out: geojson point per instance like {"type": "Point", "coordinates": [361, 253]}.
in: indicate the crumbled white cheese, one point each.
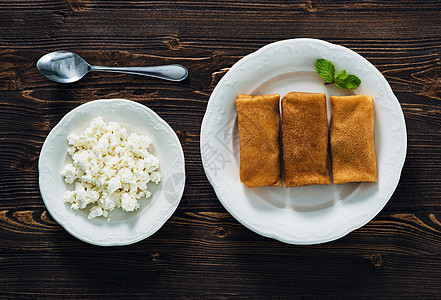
{"type": "Point", "coordinates": [69, 173]}
{"type": "Point", "coordinates": [110, 169]}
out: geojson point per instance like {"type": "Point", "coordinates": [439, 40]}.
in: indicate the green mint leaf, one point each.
{"type": "Point", "coordinates": [325, 69]}
{"type": "Point", "coordinates": [347, 81]}
{"type": "Point", "coordinates": [340, 76]}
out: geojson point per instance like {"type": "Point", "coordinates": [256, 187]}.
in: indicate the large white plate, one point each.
{"type": "Point", "coordinates": [124, 228]}
{"type": "Point", "coordinates": [310, 214]}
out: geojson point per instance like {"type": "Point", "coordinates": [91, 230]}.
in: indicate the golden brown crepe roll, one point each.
{"type": "Point", "coordinates": [305, 139]}
{"type": "Point", "coordinates": [259, 127]}
{"type": "Point", "coordinates": [352, 139]}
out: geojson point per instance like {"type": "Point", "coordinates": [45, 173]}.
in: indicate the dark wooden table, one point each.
{"type": "Point", "coordinates": [202, 251]}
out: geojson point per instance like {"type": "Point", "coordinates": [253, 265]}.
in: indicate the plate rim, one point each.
{"type": "Point", "coordinates": [254, 54]}
{"type": "Point", "coordinates": [53, 132]}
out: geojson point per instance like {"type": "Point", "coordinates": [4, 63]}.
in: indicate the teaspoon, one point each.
{"type": "Point", "coordinates": [67, 67]}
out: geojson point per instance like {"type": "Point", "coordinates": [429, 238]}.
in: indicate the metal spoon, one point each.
{"type": "Point", "coordinates": [67, 67]}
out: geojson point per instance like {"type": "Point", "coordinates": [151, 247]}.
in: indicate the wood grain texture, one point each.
{"type": "Point", "coordinates": [202, 251]}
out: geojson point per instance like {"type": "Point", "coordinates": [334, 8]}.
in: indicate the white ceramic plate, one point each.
{"type": "Point", "coordinates": [124, 228]}
{"type": "Point", "coordinates": [310, 214]}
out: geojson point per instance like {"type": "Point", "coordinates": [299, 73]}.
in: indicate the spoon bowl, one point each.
{"type": "Point", "coordinates": [67, 67]}
{"type": "Point", "coordinates": [63, 66]}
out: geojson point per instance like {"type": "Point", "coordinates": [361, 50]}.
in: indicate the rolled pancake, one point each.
{"type": "Point", "coordinates": [352, 139]}
{"type": "Point", "coordinates": [305, 139]}
{"type": "Point", "coordinates": [259, 132]}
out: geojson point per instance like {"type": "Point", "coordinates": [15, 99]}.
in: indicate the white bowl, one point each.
{"type": "Point", "coordinates": [124, 227]}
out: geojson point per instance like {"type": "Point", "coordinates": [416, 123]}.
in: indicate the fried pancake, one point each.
{"type": "Point", "coordinates": [352, 139]}
{"type": "Point", "coordinates": [305, 139]}
{"type": "Point", "coordinates": [259, 132]}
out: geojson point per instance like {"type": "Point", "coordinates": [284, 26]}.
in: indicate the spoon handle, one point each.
{"type": "Point", "coordinates": [168, 72]}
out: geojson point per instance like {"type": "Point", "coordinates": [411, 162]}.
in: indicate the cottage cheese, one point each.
{"type": "Point", "coordinates": [110, 169]}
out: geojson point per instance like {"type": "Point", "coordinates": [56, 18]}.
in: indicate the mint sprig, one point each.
{"type": "Point", "coordinates": [326, 70]}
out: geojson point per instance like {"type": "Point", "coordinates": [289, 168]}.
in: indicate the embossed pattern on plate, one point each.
{"type": "Point", "coordinates": [125, 228]}
{"type": "Point", "coordinates": [310, 214]}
